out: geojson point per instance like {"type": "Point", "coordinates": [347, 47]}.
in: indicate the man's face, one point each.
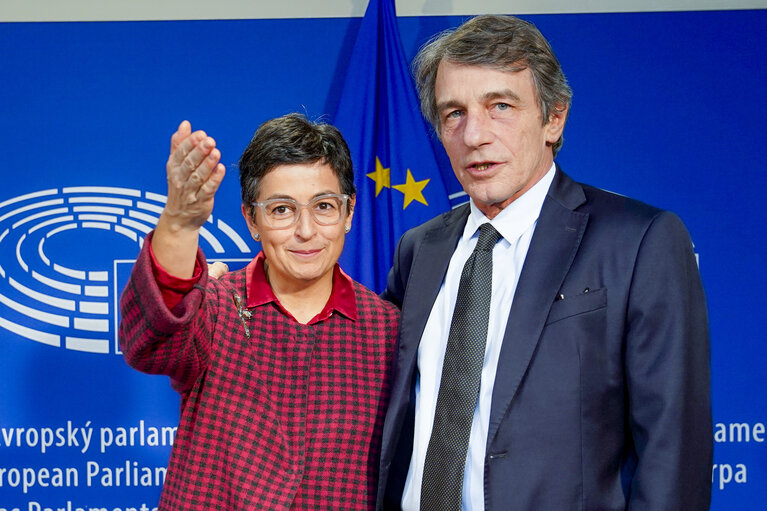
{"type": "Point", "coordinates": [492, 130]}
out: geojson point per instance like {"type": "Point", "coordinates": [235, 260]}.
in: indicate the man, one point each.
{"type": "Point", "coordinates": [592, 385]}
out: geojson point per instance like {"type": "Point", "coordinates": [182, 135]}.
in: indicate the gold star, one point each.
{"type": "Point", "coordinates": [412, 189]}
{"type": "Point", "coordinates": [381, 176]}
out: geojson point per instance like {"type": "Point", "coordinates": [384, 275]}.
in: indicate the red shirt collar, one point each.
{"type": "Point", "coordinates": [260, 292]}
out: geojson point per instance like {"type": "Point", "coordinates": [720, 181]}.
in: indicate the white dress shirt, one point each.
{"type": "Point", "coordinates": [516, 223]}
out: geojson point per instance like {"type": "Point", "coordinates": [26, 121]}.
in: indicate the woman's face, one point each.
{"type": "Point", "coordinates": [305, 252]}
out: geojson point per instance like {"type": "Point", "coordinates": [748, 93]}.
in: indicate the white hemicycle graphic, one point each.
{"type": "Point", "coordinates": [73, 304]}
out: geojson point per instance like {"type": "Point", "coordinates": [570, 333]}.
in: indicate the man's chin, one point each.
{"type": "Point", "coordinates": [487, 197]}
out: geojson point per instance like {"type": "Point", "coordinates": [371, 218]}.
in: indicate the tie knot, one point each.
{"type": "Point", "coordinates": [488, 237]}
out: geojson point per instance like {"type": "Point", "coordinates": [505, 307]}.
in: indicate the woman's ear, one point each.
{"type": "Point", "coordinates": [246, 214]}
{"type": "Point", "coordinates": [348, 222]}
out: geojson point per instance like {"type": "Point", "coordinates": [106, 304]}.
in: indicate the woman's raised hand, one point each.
{"type": "Point", "coordinates": [194, 174]}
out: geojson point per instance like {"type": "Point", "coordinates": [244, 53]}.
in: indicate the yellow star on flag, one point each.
{"type": "Point", "coordinates": [412, 189]}
{"type": "Point", "coordinates": [381, 176]}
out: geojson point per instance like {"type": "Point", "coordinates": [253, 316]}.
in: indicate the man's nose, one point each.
{"type": "Point", "coordinates": [477, 130]}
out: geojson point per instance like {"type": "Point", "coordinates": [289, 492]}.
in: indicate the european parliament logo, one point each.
{"type": "Point", "coordinates": [66, 254]}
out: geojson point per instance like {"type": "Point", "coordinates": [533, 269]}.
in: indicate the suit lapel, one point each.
{"type": "Point", "coordinates": [555, 242]}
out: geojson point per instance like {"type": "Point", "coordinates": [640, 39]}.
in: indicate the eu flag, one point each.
{"type": "Point", "coordinates": [396, 173]}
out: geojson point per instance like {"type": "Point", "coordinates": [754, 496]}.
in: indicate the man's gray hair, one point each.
{"type": "Point", "coordinates": [499, 42]}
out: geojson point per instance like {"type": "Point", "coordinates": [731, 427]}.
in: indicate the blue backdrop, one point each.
{"type": "Point", "coordinates": [667, 108]}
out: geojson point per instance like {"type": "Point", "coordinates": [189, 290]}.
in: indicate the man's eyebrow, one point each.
{"type": "Point", "coordinates": [502, 94]}
{"type": "Point", "coordinates": [449, 104]}
{"type": "Point", "coordinates": [487, 96]}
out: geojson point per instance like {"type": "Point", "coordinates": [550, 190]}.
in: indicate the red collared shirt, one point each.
{"type": "Point", "coordinates": [341, 297]}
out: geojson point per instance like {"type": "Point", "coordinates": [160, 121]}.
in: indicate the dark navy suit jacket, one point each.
{"type": "Point", "coordinates": [601, 399]}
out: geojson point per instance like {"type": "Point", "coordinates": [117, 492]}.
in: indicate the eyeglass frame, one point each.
{"type": "Point", "coordinates": [301, 206]}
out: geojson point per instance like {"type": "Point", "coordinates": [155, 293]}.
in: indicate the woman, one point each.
{"type": "Point", "coordinates": [283, 366]}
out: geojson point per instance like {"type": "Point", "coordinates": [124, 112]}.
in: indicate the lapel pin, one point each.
{"type": "Point", "coordinates": [242, 312]}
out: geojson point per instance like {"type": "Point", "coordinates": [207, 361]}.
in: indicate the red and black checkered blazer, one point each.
{"type": "Point", "coordinates": [288, 418]}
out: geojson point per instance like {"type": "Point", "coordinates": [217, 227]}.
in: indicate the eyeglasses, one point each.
{"type": "Point", "coordinates": [327, 209]}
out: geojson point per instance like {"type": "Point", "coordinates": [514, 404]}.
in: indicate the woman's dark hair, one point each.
{"type": "Point", "coordinates": [289, 140]}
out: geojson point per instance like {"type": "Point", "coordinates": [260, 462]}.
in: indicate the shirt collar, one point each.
{"type": "Point", "coordinates": [259, 292]}
{"type": "Point", "coordinates": [517, 217]}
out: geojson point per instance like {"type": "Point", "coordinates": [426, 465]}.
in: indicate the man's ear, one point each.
{"type": "Point", "coordinates": [556, 124]}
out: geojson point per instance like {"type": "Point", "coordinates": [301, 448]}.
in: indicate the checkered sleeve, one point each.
{"type": "Point", "coordinates": [157, 340]}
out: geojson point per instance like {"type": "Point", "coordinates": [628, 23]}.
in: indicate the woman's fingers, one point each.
{"type": "Point", "coordinates": [189, 154]}
{"type": "Point", "coordinates": [182, 132]}
{"type": "Point", "coordinates": [209, 187]}
{"type": "Point", "coordinates": [217, 269]}
{"type": "Point", "coordinates": [194, 174]}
